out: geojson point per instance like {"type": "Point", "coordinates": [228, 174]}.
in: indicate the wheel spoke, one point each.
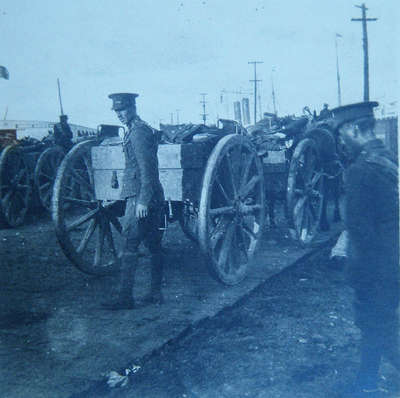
{"type": "Point", "coordinates": [46, 196]}
{"type": "Point", "coordinates": [82, 220]}
{"type": "Point", "coordinates": [43, 174]}
{"type": "Point", "coordinates": [219, 231]}
{"type": "Point", "coordinates": [24, 198]}
{"type": "Point", "coordinates": [6, 198]}
{"type": "Point", "coordinates": [315, 179]}
{"type": "Point", "coordinates": [226, 244]}
{"type": "Point", "coordinates": [87, 203]}
{"type": "Point", "coordinates": [222, 210]}
{"type": "Point", "coordinates": [231, 174]}
{"type": "Point", "coordinates": [88, 234]}
{"type": "Point", "coordinates": [98, 254]}
{"type": "Point", "coordinates": [81, 180]}
{"type": "Point", "coordinates": [249, 186]}
{"type": "Point", "coordinates": [299, 192]}
{"type": "Point", "coordinates": [249, 209]}
{"type": "Point", "coordinates": [249, 232]}
{"type": "Point", "coordinates": [19, 175]}
{"type": "Point", "coordinates": [298, 213]}
{"type": "Point", "coordinates": [88, 165]}
{"type": "Point", "coordinates": [222, 189]}
{"type": "Point", "coordinates": [242, 246]}
{"type": "Point", "coordinates": [246, 170]}
{"type": "Point", "coordinates": [45, 186]}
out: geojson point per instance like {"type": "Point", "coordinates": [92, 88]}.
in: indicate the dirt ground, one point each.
{"type": "Point", "coordinates": [55, 337]}
{"type": "Point", "coordinates": [292, 336]}
{"type": "Point", "coordinates": [282, 332]}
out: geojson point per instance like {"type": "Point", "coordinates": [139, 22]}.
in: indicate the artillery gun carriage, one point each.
{"type": "Point", "coordinates": [213, 184]}
{"type": "Point", "coordinates": [29, 158]}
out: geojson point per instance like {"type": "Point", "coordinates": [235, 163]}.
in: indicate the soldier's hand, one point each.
{"type": "Point", "coordinates": [141, 211]}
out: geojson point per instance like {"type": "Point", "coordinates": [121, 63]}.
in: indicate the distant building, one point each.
{"type": "Point", "coordinates": [39, 129]}
{"type": "Point", "coordinates": [246, 111]}
{"type": "Point", "coordinates": [237, 111]}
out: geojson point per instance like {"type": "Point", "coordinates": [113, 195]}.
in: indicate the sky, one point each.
{"type": "Point", "coordinates": [171, 51]}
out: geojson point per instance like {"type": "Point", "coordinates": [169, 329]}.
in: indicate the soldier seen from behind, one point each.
{"type": "Point", "coordinates": [325, 113]}
{"type": "Point", "coordinates": [372, 223]}
{"type": "Point", "coordinates": [63, 133]}
{"type": "Point", "coordinates": [144, 202]}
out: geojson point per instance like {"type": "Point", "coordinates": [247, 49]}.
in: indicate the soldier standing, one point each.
{"type": "Point", "coordinates": [63, 133]}
{"type": "Point", "coordinates": [372, 222]}
{"type": "Point", "coordinates": [325, 112]}
{"type": "Point", "coordinates": [144, 202]}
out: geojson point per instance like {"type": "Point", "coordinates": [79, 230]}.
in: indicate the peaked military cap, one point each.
{"type": "Point", "coordinates": [348, 113]}
{"type": "Point", "coordinates": [123, 100]}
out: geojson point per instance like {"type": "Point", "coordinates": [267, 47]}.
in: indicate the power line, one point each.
{"type": "Point", "coordinates": [364, 21]}
{"type": "Point", "coordinates": [255, 86]}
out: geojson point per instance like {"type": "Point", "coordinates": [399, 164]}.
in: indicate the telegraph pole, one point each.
{"type": "Point", "coordinates": [177, 116]}
{"type": "Point", "coordinates": [172, 118]}
{"type": "Point", "coordinates": [273, 91]}
{"type": "Point", "coordinates": [203, 102]}
{"type": "Point", "coordinates": [255, 87]}
{"type": "Point", "coordinates": [364, 21]}
{"type": "Point", "coordinates": [337, 71]}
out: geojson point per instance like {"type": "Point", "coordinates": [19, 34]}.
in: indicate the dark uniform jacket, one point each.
{"type": "Point", "coordinates": [63, 135]}
{"type": "Point", "coordinates": [141, 178]}
{"type": "Point", "coordinates": [372, 218]}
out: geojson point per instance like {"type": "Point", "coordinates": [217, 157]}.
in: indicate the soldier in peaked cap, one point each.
{"type": "Point", "coordinates": [144, 202]}
{"type": "Point", "coordinates": [372, 222]}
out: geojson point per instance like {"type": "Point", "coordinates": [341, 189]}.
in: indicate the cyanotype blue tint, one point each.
{"type": "Point", "coordinates": [170, 51]}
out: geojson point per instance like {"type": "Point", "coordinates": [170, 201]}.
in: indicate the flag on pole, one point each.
{"type": "Point", "coordinates": [338, 35]}
{"type": "Point", "coordinates": [4, 72]}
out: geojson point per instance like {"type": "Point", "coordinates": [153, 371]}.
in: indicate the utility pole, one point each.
{"type": "Point", "coordinates": [273, 91]}
{"type": "Point", "coordinates": [339, 93]}
{"type": "Point", "coordinates": [177, 116]}
{"type": "Point", "coordinates": [255, 87]}
{"type": "Point", "coordinates": [172, 118]}
{"type": "Point", "coordinates": [364, 21]}
{"type": "Point", "coordinates": [203, 102]}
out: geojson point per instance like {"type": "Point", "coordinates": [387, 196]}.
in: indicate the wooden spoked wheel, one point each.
{"type": "Point", "coordinates": [15, 185]}
{"type": "Point", "coordinates": [45, 173]}
{"type": "Point", "coordinates": [232, 208]}
{"type": "Point", "coordinates": [87, 229]}
{"type": "Point", "coordinates": [305, 191]}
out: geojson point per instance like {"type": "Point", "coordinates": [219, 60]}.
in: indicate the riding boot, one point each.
{"type": "Point", "coordinates": [125, 298]}
{"type": "Point", "coordinates": [155, 295]}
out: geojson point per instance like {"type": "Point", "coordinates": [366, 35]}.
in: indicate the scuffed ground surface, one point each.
{"type": "Point", "coordinates": [293, 336]}
{"type": "Point", "coordinates": [55, 337]}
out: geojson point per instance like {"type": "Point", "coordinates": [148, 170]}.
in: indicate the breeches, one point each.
{"type": "Point", "coordinates": [146, 230]}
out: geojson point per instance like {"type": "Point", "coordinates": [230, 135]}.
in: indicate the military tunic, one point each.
{"type": "Point", "coordinates": [141, 185]}
{"type": "Point", "coordinates": [63, 135]}
{"type": "Point", "coordinates": [372, 221]}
